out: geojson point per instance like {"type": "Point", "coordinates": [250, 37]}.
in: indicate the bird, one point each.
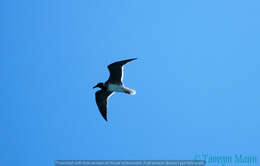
{"type": "Point", "coordinates": [112, 85]}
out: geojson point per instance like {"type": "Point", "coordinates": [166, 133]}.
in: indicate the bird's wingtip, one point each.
{"type": "Point", "coordinates": [105, 119]}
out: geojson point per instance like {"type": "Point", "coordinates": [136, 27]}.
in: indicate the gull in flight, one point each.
{"type": "Point", "coordinates": [113, 84]}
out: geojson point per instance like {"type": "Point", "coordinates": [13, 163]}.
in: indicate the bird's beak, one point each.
{"type": "Point", "coordinates": [94, 86]}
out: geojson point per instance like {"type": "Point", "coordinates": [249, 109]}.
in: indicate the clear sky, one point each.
{"type": "Point", "coordinates": [196, 77]}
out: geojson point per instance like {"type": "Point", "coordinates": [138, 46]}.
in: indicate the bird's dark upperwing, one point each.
{"type": "Point", "coordinates": [101, 100]}
{"type": "Point", "coordinates": [116, 71]}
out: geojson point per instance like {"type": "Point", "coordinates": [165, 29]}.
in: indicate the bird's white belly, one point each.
{"type": "Point", "coordinates": [115, 88]}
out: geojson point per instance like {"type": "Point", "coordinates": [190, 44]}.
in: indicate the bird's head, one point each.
{"type": "Point", "coordinates": [99, 85]}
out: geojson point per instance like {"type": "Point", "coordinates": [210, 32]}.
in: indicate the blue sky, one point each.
{"type": "Point", "coordinates": [196, 77]}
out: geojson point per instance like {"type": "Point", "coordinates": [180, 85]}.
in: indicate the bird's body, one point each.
{"type": "Point", "coordinates": [113, 84]}
{"type": "Point", "coordinates": [120, 88]}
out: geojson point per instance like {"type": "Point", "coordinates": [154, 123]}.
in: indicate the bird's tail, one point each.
{"type": "Point", "coordinates": [129, 91]}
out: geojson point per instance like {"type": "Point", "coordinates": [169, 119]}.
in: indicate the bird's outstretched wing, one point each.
{"type": "Point", "coordinates": [101, 100]}
{"type": "Point", "coordinates": [116, 71]}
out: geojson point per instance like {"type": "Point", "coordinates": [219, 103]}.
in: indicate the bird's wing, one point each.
{"type": "Point", "coordinates": [101, 100]}
{"type": "Point", "coordinates": [116, 71]}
